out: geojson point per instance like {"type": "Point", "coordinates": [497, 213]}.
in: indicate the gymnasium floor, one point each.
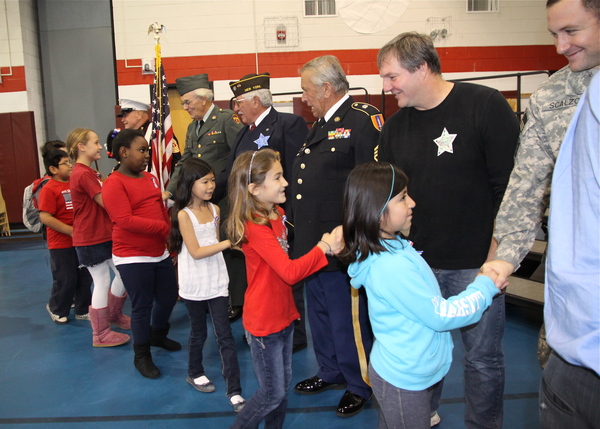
{"type": "Point", "coordinates": [52, 377]}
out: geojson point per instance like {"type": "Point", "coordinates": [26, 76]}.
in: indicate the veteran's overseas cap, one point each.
{"type": "Point", "coordinates": [250, 82]}
{"type": "Point", "coordinates": [190, 83]}
{"type": "Point", "coordinates": [131, 105]}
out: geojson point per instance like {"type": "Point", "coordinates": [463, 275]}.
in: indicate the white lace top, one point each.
{"type": "Point", "coordinates": [205, 278]}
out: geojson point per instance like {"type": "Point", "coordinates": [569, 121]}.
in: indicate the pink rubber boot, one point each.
{"type": "Point", "coordinates": [117, 317]}
{"type": "Point", "coordinates": [102, 335]}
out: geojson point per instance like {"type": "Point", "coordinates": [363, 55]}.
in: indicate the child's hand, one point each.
{"type": "Point", "coordinates": [487, 271]}
{"type": "Point", "coordinates": [338, 235]}
{"type": "Point", "coordinates": [334, 240]}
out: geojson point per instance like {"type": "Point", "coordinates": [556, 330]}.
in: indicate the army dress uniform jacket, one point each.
{"type": "Point", "coordinates": [283, 132]}
{"type": "Point", "coordinates": [347, 139]}
{"type": "Point", "coordinates": [212, 144]}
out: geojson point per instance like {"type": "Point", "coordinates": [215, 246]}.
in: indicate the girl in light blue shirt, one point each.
{"type": "Point", "coordinates": [410, 318]}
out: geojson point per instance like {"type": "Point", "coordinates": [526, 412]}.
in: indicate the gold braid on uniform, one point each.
{"type": "Point", "coordinates": [360, 347]}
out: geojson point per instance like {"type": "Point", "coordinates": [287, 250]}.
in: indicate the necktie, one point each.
{"type": "Point", "coordinates": [200, 123]}
{"type": "Point", "coordinates": [252, 127]}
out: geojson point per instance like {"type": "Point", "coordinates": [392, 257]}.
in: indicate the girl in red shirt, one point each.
{"type": "Point", "coordinates": [141, 227]}
{"type": "Point", "coordinates": [257, 223]}
{"type": "Point", "coordinates": [92, 240]}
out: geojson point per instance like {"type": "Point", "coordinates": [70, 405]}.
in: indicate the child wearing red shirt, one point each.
{"type": "Point", "coordinates": [141, 226]}
{"type": "Point", "coordinates": [256, 188]}
{"type": "Point", "coordinates": [56, 213]}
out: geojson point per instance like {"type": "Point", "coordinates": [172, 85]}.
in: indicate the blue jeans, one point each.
{"type": "Point", "coordinates": [272, 360]}
{"type": "Point", "coordinates": [220, 320]}
{"type": "Point", "coordinates": [400, 408]}
{"type": "Point", "coordinates": [152, 288]}
{"type": "Point", "coordinates": [484, 359]}
{"type": "Point", "coordinates": [569, 396]}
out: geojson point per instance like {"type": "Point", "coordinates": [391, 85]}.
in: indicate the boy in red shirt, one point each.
{"type": "Point", "coordinates": [56, 213]}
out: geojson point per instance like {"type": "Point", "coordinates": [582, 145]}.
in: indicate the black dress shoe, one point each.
{"type": "Point", "coordinates": [315, 385]}
{"type": "Point", "coordinates": [235, 313]}
{"type": "Point", "coordinates": [298, 347]}
{"type": "Point", "coordinates": [350, 405]}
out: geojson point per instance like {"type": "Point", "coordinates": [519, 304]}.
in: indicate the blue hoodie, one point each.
{"type": "Point", "coordinates": [409, 316]}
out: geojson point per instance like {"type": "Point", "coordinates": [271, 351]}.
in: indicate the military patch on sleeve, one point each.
{"type": "Point", "coordinates": [377, 121]}
{"type": "Point", "coordinates": [236, 118]}
{"type": "Point", "coordinates": [372, 111]}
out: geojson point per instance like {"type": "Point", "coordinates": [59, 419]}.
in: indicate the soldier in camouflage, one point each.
{"type": "Point", "coordinates": [575, 27]}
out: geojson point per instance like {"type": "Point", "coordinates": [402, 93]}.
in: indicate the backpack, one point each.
{"type": "Point", "coordinates": [31, 213]}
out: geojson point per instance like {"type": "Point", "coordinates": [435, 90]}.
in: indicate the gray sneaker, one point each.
{"type": "Point", "coordinates": [206, 387]}
{"type": "Point", "coordinates": [59, 320]}
{"type": "Point", "coordinates": [85, 316]}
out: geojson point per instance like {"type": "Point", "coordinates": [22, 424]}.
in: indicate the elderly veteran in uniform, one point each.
{"type": "Point", "coordinates": [265, 127]}
{"type": "Point", "coordinates": [344, 136]}
{"type": "Point", "coordinates": [134, 115]}
{"type": "Point", "coordinates": [212, 132]}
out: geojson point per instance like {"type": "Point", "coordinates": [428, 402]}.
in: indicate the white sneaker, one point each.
{"type": "Point", "coordinates": [435, 419]}
{"type": "Point", "coordinates": [59, 320]}
{"type": "Point", "coordinates": [85, 316]}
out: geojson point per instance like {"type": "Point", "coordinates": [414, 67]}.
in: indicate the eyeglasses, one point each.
{"type": "Point", "coordinates": [238, 102]}
{"type": "Point", "coordinates": [187, 102]}
{"type": "Point", "coordinates": [69, 163]}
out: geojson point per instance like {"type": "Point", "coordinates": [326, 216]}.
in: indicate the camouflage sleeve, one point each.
{"type": "Point", "coordinates": [527, 194]}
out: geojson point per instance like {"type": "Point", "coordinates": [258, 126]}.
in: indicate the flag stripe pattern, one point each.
{"type": "Point", "coordinates": [162, 128]}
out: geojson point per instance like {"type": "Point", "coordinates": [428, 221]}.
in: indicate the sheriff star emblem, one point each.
{"type": "Point", "coordinates": [262, 141]}
{"type": "Point", "coordinates": [444, 142]}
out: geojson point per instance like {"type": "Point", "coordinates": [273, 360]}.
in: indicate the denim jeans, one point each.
{"type": "Point", "coordinates": [569, 396]}
{"type": "Point", "coordinates": [220, 320]}
{"type": "Point", "coordinates": [483, 360]}
{"type": "Point", "coordinates": [272, 360]}
{"type": "Point", "coordinates": [152, 288]}
{"type": "Point", "coordinates": [400, 408]}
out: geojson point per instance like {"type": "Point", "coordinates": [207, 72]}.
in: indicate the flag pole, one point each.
{"type": "Point", "coordinates": [158, 29]}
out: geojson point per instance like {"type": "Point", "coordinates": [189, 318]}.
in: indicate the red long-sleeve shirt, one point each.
{"type": "Point", "coordinates": [269, 304]}
{"type": "Point", "coordinates": [140, 221]}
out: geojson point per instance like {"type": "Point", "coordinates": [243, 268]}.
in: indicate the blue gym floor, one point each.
{"type": "Point", "coordinates": [52, 377]}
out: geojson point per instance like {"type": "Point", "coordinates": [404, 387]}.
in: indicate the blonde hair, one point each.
{"type": "Point", "coordinates": [78, 135]}
{"type": "Point", "coordinates": [248, 168]}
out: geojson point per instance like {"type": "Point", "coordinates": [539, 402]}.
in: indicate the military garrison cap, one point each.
{"type": "Point", "coordinates": [250, 82]}
{"type": "Point", "coordinates": [190, 83]}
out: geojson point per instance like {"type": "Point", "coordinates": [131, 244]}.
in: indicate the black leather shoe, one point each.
{"type": "Point", "coordinates": [350, 405]}
{"type": "Point", "coordinates": [298, 347]}
{"type": "Point", "coordinates": [235, 313]}
{"type": "Point", "coordinates": [315, 385]}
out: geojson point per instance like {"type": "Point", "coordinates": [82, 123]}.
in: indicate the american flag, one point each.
{"type": "Point", "coordinates": [162, 129]}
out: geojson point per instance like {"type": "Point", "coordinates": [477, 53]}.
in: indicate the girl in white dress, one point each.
{"type": "Point", "coordinates": [203, 279]}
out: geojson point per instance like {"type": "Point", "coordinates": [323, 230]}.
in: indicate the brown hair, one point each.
{"type": "Point", "coordinates": [411, 50]}
{"type": "Point", "coordinates": [248, 168]}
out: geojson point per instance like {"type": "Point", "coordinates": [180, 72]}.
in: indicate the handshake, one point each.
{"type": "Point", "coordinates": [499, 271]}
{"type": "Point", "coordinates": [331, 243]}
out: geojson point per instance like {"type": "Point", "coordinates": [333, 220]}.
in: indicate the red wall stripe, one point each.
{"type": "Point", "coordinates": [355, 62]}
{"type": "Point", "coordinates": [15, 82]}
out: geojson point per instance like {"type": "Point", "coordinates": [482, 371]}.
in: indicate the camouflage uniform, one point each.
{"type": "Point", "coordinates": [550, 111]}
{"type": "Point", "coordinates": [551, 108]}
